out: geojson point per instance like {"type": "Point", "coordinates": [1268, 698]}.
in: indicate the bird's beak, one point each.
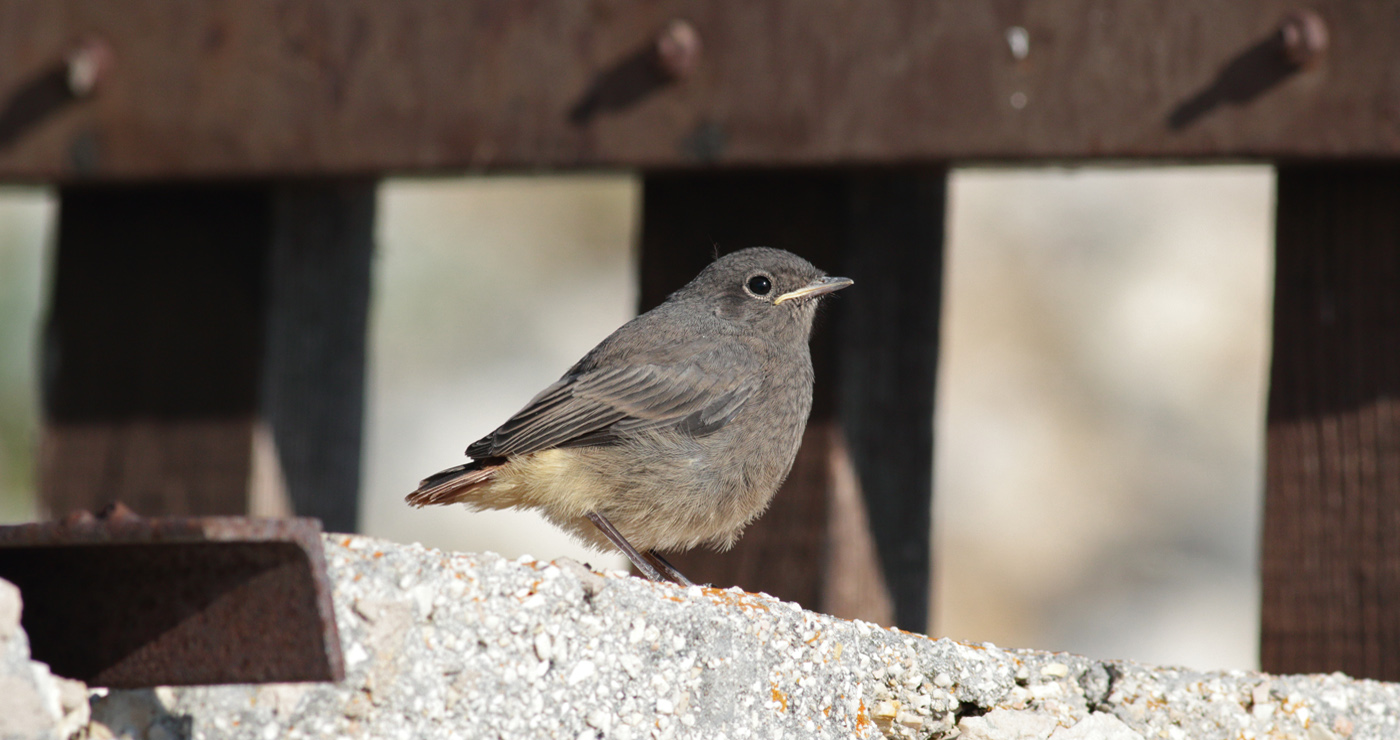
{"type": "Point", "coordinates": [816, 288]}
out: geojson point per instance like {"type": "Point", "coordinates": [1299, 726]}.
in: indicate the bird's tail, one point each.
{"type": "Point", "coordinates": [453, 485]}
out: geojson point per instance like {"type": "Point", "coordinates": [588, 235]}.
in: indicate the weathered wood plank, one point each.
{"type": "Point", "coordinates": [201, 88]}
{"type": "Point", "coordinates": [888, 335]}
{"type": "Point", "coordinates": [314, 356]}
{"type": "Point", "coordinates": [205, 349]}
{"type": "Point", "coordinates": [151, 353]}
{"type": "Point", "coordinates": [1331, 548]}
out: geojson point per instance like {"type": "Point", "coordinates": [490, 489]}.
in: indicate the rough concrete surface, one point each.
{"type": "Point", "coordinates": [34, 704]}
{"type": "Point", "coordinates": [442, 645]}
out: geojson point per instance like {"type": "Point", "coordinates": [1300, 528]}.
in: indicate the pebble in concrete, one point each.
{"type": "Point", "coordinates": [442, 645]}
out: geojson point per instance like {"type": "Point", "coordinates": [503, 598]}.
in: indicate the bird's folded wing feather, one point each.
{"type": "Point", "coordinates": [606, 404]}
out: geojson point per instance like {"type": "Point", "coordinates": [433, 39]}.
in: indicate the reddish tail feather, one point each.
{"type": "Point", "coordinates": [452, 485]}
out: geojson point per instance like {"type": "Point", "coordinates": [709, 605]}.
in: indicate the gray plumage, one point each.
{"type": "Point", "coordinates": [678, 428]}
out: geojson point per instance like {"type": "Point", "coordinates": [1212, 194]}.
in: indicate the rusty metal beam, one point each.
{"type": "Point", "coordinates": [216, 88]}
{"type": "Point", "coordinates": [127, 602]}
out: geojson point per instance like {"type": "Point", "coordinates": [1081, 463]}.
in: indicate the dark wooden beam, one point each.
{"type": "Point", "coordinates": [313, 376]}
{"type": "Point", "coordinates": [888, 335]}
{"type": "Point", "coordinates": [151, 368]}
{"type": "Point", "coordinates": [205, 349]}
{"type": "Point", "coordinates": [1331, 550]}
{"type": "Point", "coordinates": [212, 88]}
{"type": "Point", "coordinates": [849, 532]}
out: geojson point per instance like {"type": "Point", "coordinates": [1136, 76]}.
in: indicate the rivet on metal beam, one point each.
{"type": "Point", "coordinates": [1303, 36]}
{"type": "Point", "coordinates": [678, 49]}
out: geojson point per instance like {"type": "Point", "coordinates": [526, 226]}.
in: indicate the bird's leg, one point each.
{"type": "Point", "coordinates": [667, 568]}
{"type": "Point", "coordinates": [639, 560]}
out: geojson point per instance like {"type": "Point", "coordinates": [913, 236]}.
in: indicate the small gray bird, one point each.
{"type": "Point", "coordinates": [673, 432]}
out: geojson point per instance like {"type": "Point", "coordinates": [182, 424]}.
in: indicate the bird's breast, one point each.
{"type": "Point", "coordinates": [765, 435]}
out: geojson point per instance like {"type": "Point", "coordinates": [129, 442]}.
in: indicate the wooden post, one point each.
{"type": "Point", "coordinates": [849, 532]}
{"type": "Point", "coordinates": [205, 348]}
{"type": "Point", "coordinates": [888, 355]}
{"type": "Point", "coordinates": [1331, 549]}
{"type": "Point", "coordinates": [313, 381]}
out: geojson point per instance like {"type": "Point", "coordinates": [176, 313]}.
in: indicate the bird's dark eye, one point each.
{"type": "Point", "coordinates": [760, 285]}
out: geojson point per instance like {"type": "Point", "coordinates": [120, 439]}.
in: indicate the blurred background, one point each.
{"type": "Point", "coordinates": [1100, 401]}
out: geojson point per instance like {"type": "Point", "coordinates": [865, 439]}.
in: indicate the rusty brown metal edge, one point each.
{"type": "Point", "coordinates": [127, 528]}
{"type": "Point", "coordinates": [118, 526]}
{"type": "Point", "coordinates": [208, 88]}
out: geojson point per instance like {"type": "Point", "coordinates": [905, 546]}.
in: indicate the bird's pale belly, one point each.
{"type": "Point", "coordinates": [662, 493]}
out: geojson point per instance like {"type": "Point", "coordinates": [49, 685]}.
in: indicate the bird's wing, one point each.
{"type": "Point", "coordinates": [604, 404]}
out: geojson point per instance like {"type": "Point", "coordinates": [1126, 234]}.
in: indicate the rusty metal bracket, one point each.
{"type": "Point", "coordinates": [123, 601]}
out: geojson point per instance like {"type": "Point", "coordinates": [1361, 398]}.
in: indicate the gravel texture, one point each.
{"type": "Point", "coordinates": [442, 645]}
{"type": "Point", "coordinates": [34, 704]}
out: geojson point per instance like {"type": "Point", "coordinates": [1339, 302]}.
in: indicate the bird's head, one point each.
{"type": "Point", "coordinates": [762, 287]}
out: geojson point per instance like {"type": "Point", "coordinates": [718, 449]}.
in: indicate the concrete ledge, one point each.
{"type": "Point", "coordinates": [34, 703]}
{"type": "Point", "coordinates": [442, 645]}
